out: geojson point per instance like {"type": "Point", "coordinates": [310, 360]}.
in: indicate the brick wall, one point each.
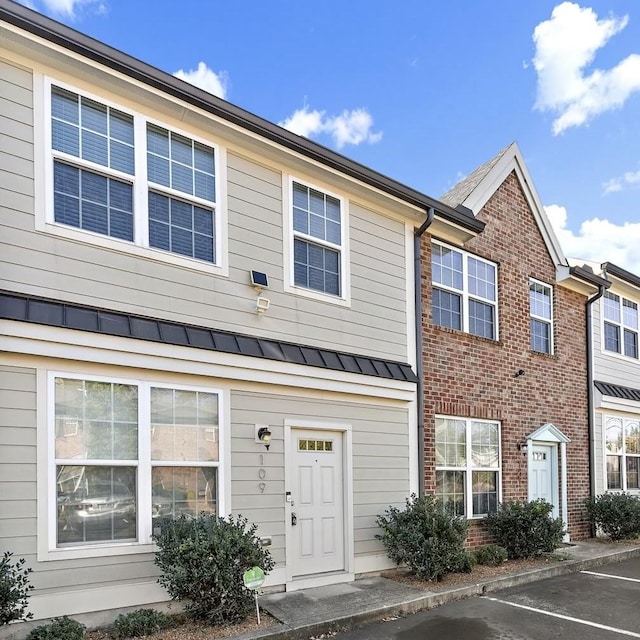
{"type": "Point", "coordinates": [469, 376]}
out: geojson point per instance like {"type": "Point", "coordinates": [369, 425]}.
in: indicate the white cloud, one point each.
{"type": "Point", "coordinates": [565, 45]}
{"type": "Point", "coordinates": [628, 179]}
{"type": "Point", "coordinates": [70, 8]}
{"type": "Point", "coordinates": [350, 127]}
{"type": "Point", "coordinates": [205, 78]}
{"type": "Point", "coordinates": [304, 122]}
{"type": "Point", "coordinates": [598, 240]}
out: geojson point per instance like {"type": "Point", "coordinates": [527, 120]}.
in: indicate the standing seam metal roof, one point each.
{"type": "Point", "coordinates": [617, 391]}
{"type": "Point", "coordinates": [16, 306]}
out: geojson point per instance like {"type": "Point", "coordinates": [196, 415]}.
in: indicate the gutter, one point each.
{"type": "Point", "coordinates": [418, 321]}
{"type": "Point", "coordinates": [32, 22]}
{"type": "Point", "coordinates": [603, 285]}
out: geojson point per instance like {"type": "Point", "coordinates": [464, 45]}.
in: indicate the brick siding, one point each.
{"type": "Point", "coordinates": [468, 376]}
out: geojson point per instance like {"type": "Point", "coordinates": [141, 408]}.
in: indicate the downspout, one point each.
{"type": "Point", "coordinates": [418, 321]}
{"type": "Point", "coordinates": [590, 403]}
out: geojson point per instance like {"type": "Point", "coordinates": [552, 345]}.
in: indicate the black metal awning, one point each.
{"type": "Point", "coordinates": [44, 311]}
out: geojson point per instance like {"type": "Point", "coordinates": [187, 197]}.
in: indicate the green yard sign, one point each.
{"type": "Point", "coordinates": [253, 578]}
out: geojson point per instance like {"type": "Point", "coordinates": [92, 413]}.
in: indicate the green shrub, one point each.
{"type": "Point", "coordinates": [141, 623]}
{"type": "Point", "coordinates": [525, 529]}
{"type": "Point", "coordinates": [14, 589]}
{"type": "Point", "coordinates": [492, 555]}
{"type": "Point", "coordinates": [58, 629]}
{"type": "Point", "coordinates": [425, 538]}
{"type": "Point", "coordinates": [202, 560]}
{"type": "Point", "coordinates": [617, 515]}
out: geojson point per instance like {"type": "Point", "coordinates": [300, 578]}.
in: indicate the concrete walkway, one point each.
{"type": "Point", "coordinates": [312, 612]}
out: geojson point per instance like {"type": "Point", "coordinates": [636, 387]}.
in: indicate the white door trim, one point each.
{"type": "Point", "coordinates": [349, 553]}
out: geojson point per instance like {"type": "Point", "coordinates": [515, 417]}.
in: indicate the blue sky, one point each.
{"type": "Point", "coordinates": [424, 91]}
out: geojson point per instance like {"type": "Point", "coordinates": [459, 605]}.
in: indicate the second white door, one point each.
{"type": "Point", "coordinates": [317, 513]}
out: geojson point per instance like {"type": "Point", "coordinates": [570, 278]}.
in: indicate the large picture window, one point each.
{"type": "Point", "coordinates": [129, 452]}
{"type": "Point", "coordinates": [318, 252]}
{"type": "Point", "coordinates": [468, 466]}
{"type": "Point", "coordinates": [622, 442]}
{"type": "Point", "coordinates": [620, 331]}
{"type": "Point", "coordinates": [117, 175]}
{"type": "Point", "coordinates": [464, 291]}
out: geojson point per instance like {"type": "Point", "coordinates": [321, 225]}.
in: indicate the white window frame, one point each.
{"type": "Point", "coordinates": [144, 465]}
{"type": "Point", "coordinates": [621, 326]}
{"type": "Point", "coordinates": [464, 292]}
{"type": "Point", "coordinates": [623, 420]}
{"type": "Point", "coordinates": [547, 321]}
{"type": "Point", "coordinates": [45, 155]}
{"type": "Point", "coordinates": [344, 299]}
{"type": "Point", "coordinates": [468, 469]}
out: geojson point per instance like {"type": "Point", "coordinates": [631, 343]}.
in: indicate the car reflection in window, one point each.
{"type": "Point", "coordinates": [100, 512]}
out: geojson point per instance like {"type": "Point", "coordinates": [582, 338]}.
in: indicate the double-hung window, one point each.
{"type": "Point", "coordinates": [464, 291]}
{"type": "Point", "coordinates": [622, 442]}
{"type": "Point", "coordinates": [318, 232]}
{"type": "Point", "coordinates": [620, 332]}
{"type": "Point", "coordinates": [468, 465]}
{"type": "Point", "coordinates": [541, 310]}
{"type": "Point", "coordinates": [118, 175]}
{"type": "Point", "coordinates": [126, 453]}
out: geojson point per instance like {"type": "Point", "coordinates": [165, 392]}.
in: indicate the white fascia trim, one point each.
{"type": "Point", "coordinates": [619, 404]}
{"type": "Point", "coordinates": [69, 344]}
{"type": "Point", "coordinates": [510, 161]}
{"type": "Point", "coordinates": [314, 165]}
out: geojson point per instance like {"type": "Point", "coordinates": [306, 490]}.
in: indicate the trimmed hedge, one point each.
{"type": "Point", "coordinates": [525, 529]}
{"type": "Point", "coordinates": [425, 538]}
{"type": "Point", "coordinates": [202, 560]}
{"type": "Point", "coordinates": [617, 515]}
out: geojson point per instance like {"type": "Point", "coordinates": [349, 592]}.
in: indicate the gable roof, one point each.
{"type": "Point", "coordinates": [475, 190]}
{"type": "Point", "coordinates": [54, 32]}
{"type": "Point", "coordinates": [461, 191]}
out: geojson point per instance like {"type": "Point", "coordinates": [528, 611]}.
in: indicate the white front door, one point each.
{"type": "Point", "coordinates": [317, 512]}
{"type": "Point", "coordinates": [542, 480]}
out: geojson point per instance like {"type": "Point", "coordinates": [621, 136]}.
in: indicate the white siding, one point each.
{"type": "Point", "coordinates": [18, 506]}
{"type": "Point", "coordinates": [380, 461]}
{"type": "Point", "coordinates": [51, 266]}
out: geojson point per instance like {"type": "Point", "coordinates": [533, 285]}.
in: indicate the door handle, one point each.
{"type": "Point", "coordinates": [294, 519]}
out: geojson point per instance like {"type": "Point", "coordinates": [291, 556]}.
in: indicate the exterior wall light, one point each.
{"type": "Point", "coordinates": [264, 436]}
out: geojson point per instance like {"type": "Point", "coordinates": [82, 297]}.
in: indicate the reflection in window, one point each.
{"type": "Point", "coordinates": [622, 444]}
{"type": "Point", "coordinates": [467, 465]}
{"type": "Point", "coordinates": [107, 433]}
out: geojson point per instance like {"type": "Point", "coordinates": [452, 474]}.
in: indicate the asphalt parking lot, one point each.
{"type": "Point", "coordinates": [602, 604]}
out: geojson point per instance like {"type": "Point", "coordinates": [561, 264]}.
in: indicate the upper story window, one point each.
{"type": "Point", "coordinates": [126, 452]}
{"type": "Point", "coordinates": [468, 465]}
{"type": "Point", "coordinates": [118, 175]}
{"type": "Point", "coordinates": [318, 251]}
{"type": "Point", "coordinates": [620, 325]}
{"type": "Point", "coordinates": [622, 440]}
{"type": "Point", "coordinates": [541, 310]}
{"type": "Point", "coordinates": [464, 291]}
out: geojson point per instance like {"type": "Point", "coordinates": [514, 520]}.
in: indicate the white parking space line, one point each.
{"type": "Point", "coordinates": [608, 575]}
{"type": "Point", "coordinates": [596, 625]}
